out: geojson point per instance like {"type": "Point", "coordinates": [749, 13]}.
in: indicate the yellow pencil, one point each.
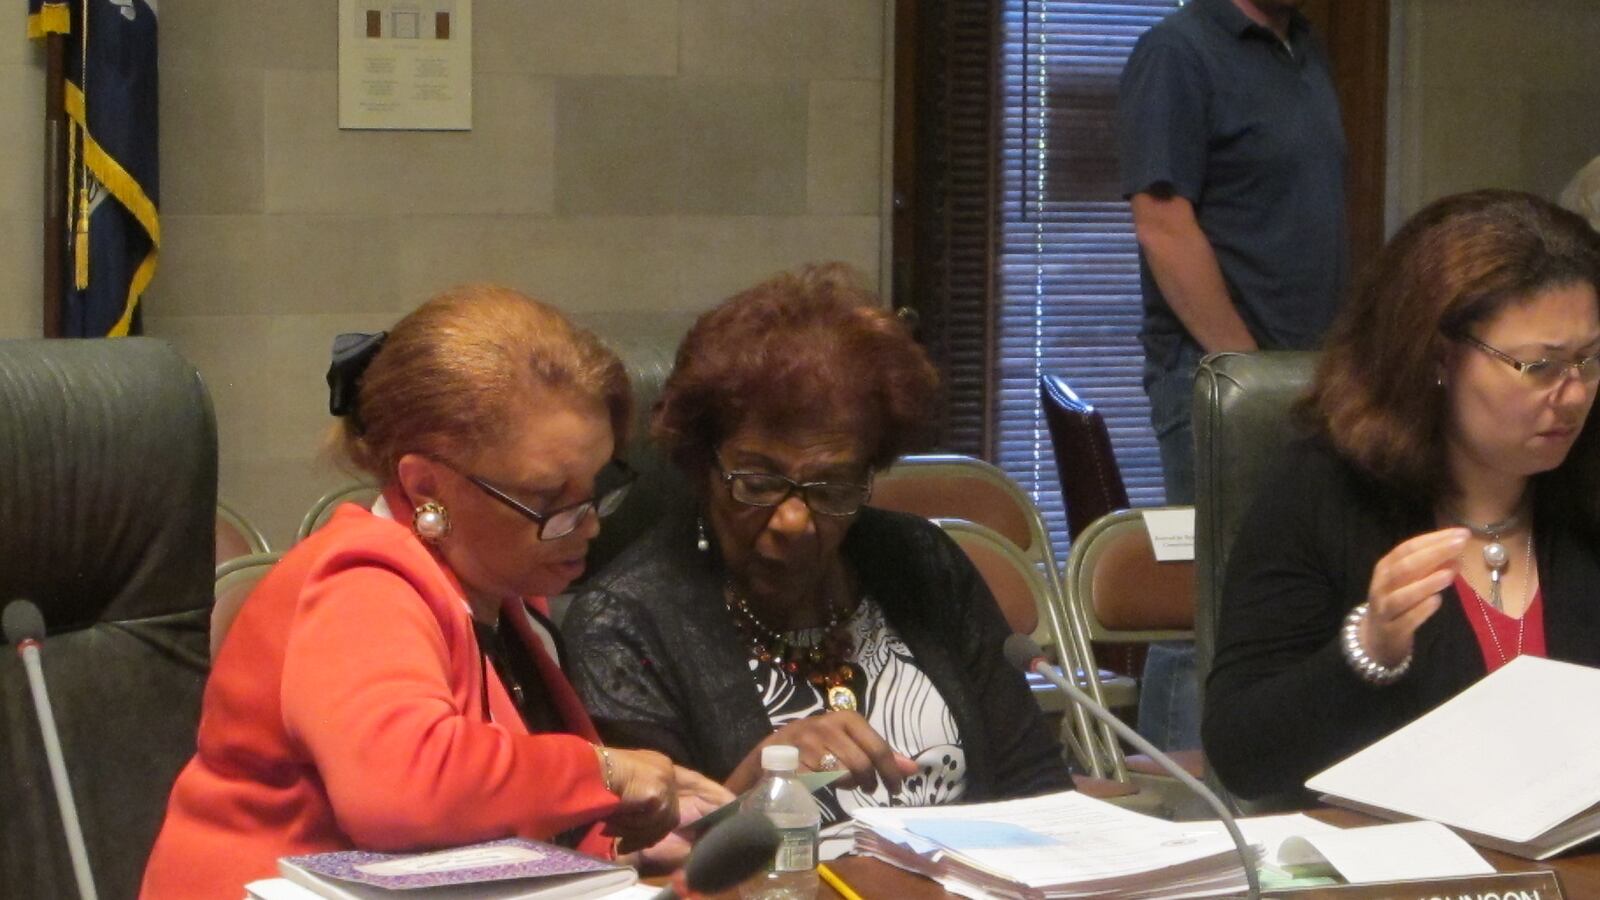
{"type": "Point", "coordinates": [837, 883]}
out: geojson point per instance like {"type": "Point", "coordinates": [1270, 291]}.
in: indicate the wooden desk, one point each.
{"type": "Point", "coordinates": [873, 880]}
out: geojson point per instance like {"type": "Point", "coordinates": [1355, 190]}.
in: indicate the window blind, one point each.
{"type": "Point", "coordinates": [1068, 267]}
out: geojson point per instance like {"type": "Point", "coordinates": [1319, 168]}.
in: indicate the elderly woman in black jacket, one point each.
{"type": "Point", "coordinates": [785, 610]}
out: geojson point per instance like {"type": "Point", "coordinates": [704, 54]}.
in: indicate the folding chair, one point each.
{"type": "Point", "coordinates": [1117, 592]}
{"type": "Point", "coordinates": [322, 510]}
{"type": "Point", "coordinates": [236, 578]}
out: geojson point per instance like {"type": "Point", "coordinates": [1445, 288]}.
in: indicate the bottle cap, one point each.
{"type": "Point", "coordinates": [780, 757]}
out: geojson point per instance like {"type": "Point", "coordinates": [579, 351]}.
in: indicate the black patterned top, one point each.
{"type": "Point", "coordinates": [660, 663]}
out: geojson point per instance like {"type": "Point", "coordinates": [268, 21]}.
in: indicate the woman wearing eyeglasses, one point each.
{"type": "Point", "coordinates": [394, 683]}
{"type": "Point", "coordinates": [1445, 516]}
{"type": "Point", "coordinates": [783, 609]}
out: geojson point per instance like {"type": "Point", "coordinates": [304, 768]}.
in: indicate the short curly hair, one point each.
{"type": "Point", "coordinates": [798, 348]}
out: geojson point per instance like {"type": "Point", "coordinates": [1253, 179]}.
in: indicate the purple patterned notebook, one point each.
{"type": "Point", "coordinates": [507, 860]}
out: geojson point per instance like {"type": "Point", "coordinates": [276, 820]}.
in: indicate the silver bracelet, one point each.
{"type": "Point", "coordinates": [604, 756]}
{"type": "Point", "coordinates": [1370, 670]}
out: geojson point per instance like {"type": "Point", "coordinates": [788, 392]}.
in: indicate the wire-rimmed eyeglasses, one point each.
{"type": "Point", "coordinates": [827, 498]}
{"type": "Point", "coordinates": [1543, 373]}
{"type": "Point", "coordinates": [611, 486]}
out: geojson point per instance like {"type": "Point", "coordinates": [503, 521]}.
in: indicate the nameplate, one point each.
{"type": "Point", "coordinates": [1541, 885]}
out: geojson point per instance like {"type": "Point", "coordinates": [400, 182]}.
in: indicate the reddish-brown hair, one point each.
{"type": "Point", "coordinates": [1456, 263]}
{"type": "Point", "coordinates": [801, 347]}
{"type": "Point", "coordinates": [455, 374]}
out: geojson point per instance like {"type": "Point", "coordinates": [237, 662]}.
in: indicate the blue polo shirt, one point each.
{"type": "Point", "coordinates": [1215, 108]}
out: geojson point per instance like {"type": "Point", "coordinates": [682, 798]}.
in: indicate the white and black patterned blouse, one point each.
{"type": "Point", "coordinates": [900, 703]}
{"type": "Point", "coordinates": [660, 662]}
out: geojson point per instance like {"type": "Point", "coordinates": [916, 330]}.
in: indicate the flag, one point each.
{"type": "Point", "coordinates": [113, 229]}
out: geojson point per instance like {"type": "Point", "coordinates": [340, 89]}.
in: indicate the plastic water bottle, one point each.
{"type": "Point", "coordinates": [783, 799]}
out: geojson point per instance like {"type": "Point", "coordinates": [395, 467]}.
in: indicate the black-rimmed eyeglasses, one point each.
{"type": "Point", "coordinates": [827, 498]}
{"type": "Point", "coordinates": [1543, 373]}
{"type": "Point", "coordinates": [611, 486]}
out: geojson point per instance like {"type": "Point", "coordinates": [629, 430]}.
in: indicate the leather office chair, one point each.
{"type": "Point", "coordinates": [1091, 482]}
{"type": "Point", "coordinates": [1242, 423]}
{"type": "Point", "coordinates": [660, 486]}
{"type": "Point", "coordinates": [108, 498]}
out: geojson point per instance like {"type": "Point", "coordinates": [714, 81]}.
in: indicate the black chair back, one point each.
{"type": "Point", "coordinates": [1091, 482]}
{"type": "Point", "coordinates": [1242, 423]}
{"type": "Point", "coordinates": [108, 493]}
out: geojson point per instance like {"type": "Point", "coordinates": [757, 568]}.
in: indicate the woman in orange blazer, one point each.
{"type": "Point", "coordinates": [395, 682]}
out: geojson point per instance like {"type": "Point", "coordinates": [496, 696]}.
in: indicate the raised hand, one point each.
{"type": "Point", "coordinates": [1406, 589]}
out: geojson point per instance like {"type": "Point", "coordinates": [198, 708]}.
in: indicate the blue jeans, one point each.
{"type": "Point", "coordinates": [1169, 383]}
{"type": "Point", "coordinates": [1169, 696]}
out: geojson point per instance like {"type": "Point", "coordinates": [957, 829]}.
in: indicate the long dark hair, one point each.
{"type": "Point", "coordinates": [1456, 263]}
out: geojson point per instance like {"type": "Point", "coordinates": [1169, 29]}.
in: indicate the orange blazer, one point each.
{"type": "Point", "coordinates": [345, 709]}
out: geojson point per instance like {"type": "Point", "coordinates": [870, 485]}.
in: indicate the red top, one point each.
{"type": "Point", "coordinates": [345, 710]}
{"type": "Point", "coordinates": [1490, 624]}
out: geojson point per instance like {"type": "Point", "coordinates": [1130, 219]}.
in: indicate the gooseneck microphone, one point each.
{"type": "Point", "coordinates": [728, 853]}
{"type": "Point", "coordinates": [1026, 656]}
{"type": "Point", "coordinates": [24, 627]}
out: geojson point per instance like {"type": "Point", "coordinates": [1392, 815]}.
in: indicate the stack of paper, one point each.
{"type": "Point", "coordinates": [1063, 845]}
{"type": "Point", "coordinates": [1510, 762]}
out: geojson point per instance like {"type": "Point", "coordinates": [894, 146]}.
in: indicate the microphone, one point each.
{"type": "Point", "coordinates": [728, 853]}
{"type": "Point", "coordinates": [1026, 656]}
{"type": "Point", "coordinates": [24, 627]}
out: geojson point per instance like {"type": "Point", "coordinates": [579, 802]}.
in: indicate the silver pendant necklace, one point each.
{"type": "Point", "coordinates": [1495, 557]}
{"type": "Point", "coordinates": [1527, 595]}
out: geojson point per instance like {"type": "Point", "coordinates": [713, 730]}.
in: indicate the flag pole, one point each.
{"type": "Point", "coordinates": [55, 180]}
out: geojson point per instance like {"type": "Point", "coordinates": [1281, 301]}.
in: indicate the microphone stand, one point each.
{"type": "Point", "coordinates": [28, 649]}
{"type": "Point", "coordinates": [1036, 662]}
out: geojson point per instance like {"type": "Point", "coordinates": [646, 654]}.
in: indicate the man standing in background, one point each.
{"type": "Point", "coordinates": [1233, 158]}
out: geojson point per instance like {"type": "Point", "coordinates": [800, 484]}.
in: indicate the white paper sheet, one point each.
{"type": "Point", "coordinates": [1270, 832]}
{"type": "Point", "coordinates": [1054, 839]}
{"type": "Point", "coordinates": [1395, 852]}
{"type": "Point", "coordinates": [1529, 713]}
{"type": "Point", "coordinates": [1171, 533]}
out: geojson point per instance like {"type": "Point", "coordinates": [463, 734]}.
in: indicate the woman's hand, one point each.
{"type": "Point", "coordinates": [697, 795]}
{"type": "Point", "coordinates": [845, 735]}
{"type": "Point", "coordinates": [647, 783]}
{"type": "Point", "coordinates": [1405, 591]}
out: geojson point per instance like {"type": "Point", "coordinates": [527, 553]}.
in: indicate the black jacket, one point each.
{"type": "Point", "coordinates": [1281, 702]}
{"type": "Point", "coordinates": [660, 664]}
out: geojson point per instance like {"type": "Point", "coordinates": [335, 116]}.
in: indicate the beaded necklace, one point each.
{"type": "Point", "coordinates": [818, 655]}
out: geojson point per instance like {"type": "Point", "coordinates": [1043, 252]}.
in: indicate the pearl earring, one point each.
{"type": "Point", "coordinates": [431, 522]}
{"type": "Point", "coordinates": [701, 542]}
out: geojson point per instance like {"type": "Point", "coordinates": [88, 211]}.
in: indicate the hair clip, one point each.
{"type": "Point", "coordinates": [352, 353]}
